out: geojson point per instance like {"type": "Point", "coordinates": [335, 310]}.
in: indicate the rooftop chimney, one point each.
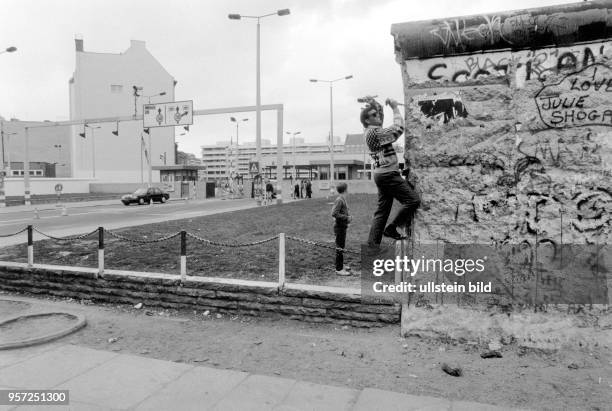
{"type": "Point", "coordinates": [137, 44]}
{"type": "Point", "coordinates": [78, 43]}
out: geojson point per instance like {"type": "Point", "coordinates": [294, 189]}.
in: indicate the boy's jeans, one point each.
{"type": "Point", "coordinates": [340, 232]}
{"type": "Point", "coordinates": [391, 185]}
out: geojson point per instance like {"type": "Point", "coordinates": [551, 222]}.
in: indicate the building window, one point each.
{"type": "Point", "coordinates": [116, 88]}
{"type": "Point", "coordinates": [33, 173]}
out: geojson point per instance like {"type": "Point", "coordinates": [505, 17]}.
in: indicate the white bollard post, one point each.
{"type": "Point", "coordinates": [281, 260]}
{"type": "Point", "coordinates": [100, 262]}
{"type": "Point", "coordinates": [100, 252]}
{"type": "Point", "coordinates": [183, 255]}
{"type": "Point", "coordinates": [30, 246]}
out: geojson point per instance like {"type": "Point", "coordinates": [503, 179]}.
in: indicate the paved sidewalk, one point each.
{"type": "Point", "coordinates": [101, 380]}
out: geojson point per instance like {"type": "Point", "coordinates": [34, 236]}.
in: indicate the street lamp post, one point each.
{"type": "Point", "coordinates": [6, 165]}
{"type": "Point", "coordinates": [282, 12]}
{"type": "Point", "coordinates": [93, 147]}
{"type": "Point", "coordinates": [163, 93]}
{"type": "Point", "coordinates": [331, 125]}
{"type": "Point", "coordinates": [293, 152]}
{"type": "Point", "coordinates": [136, 89]}
{"type": "Point", "coordinates": [2, 134]}
{"type": "Point", "coordinates": [233, 119]}
{"type": "Point", "coordinates": [59, 156]}
{"type": "Point", "coordinates": [136, 94]}
{"type": "Point", "coordinates": [59, 152]}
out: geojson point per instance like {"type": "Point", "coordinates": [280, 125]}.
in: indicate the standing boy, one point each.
{"type": "Point", "coordinates": [342, 218]}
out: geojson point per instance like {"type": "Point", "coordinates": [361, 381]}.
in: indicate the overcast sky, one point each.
{"type": "Point", "coordinates": [213, 58]}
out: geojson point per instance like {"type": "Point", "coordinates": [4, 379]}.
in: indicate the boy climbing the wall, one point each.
{"type": "Point", "coordinates": [386, 172]}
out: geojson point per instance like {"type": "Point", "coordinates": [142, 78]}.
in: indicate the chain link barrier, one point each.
{"type": "Point", "coordinates": [79, 237]}
{"type": "Point", "coordinates": [232, 245]}
{"type": "Point", "coordinates": [195, 237]}
{"type": "Point", "coordinates": [133, 240]}
{"type": "Point", "coordinates": [322, 245]}
{"type": "Point", "coordinates": [10, 235]}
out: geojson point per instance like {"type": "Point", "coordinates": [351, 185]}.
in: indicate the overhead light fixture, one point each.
{"type": "Point", "coordinates": [186, 128]}
{"type": "Point", "coordinates": [116, 132]}
{"type": "Point", "coordinates": [146, 130]}
{"type": "Point", "coordinates": [83, 133]}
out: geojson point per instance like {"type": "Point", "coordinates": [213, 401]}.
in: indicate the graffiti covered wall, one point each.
{"type": "Point", "coordinates": [509, 122]}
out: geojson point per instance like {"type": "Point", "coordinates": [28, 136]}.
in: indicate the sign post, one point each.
{"type": "Point", "coordinates": [257, 181]}
{"type": "Point", "coordinates": [174, 113]}
{"type": "Point", "coordinates": [2, 194]}
{"type": "Point", "coordinates": [58, 191]}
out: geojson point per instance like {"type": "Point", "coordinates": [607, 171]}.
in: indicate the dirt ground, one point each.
{"type": "Point", "coordinates": [573, 377]}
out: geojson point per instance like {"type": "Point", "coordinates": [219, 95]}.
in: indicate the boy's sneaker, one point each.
{"type": "Point", "coordinates": [391, 232]}
{"type": "Point", "coordinates": [342, 272]}
{"type": "Point", "coordinates": [346, 268]}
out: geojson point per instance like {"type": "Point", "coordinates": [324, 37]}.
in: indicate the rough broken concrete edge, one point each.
{"type": "Point", "coordinates": [81, 322]}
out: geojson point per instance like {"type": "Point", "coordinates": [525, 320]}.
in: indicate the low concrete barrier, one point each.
{"type": "Point", "coordinates": [296, 301]}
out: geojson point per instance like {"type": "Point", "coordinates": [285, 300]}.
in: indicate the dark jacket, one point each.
{"type": "Point", "coordinates": [340, 212]}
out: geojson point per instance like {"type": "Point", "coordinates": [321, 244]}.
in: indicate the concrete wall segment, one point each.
{"type": "Point", "coordinates": [505, 140]}
{"type": "Point", "coordinates": [534, 28]}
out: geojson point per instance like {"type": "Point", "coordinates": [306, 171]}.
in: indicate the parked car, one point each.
{"type": "Point", "coordinates": [145, 196]}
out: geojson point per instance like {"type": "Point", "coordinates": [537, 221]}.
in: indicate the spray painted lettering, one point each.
{"type": "Point", "coordinates": [581, 99]}
{"type": "Point", "coordinates": [530, 64]}
{"type": "Point", "coordinates": [457, 32]}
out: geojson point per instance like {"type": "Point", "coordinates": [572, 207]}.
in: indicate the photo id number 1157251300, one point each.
{"type": "Point", "coordinates": [34, 397]}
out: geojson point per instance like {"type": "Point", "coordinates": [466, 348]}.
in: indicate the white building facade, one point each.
{"type": "Point", "coordinates": [103, 86]}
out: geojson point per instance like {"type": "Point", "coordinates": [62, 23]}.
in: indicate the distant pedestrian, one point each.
{"type": "Point", "coordinates": [308, 189]}
{"type": "Point", "coordinates": [296, 190]}
{"type": "Point", "coordinates": [302, 188]}
{"type": "Point", "coordinates": [269, 191]}
{"type": "Point", "coordinates": [340, 213]}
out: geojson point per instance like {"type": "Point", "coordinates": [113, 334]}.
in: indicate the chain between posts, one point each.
{"type": "Point", "coordinates": [10, 235]}
{"type": "Point", "coordinates": [80, 237]}
{"type": "Point", "coordinates": [231, 245]}
{"type": "Point", "coordinates": [132, 240]}
{"type": "Point", "coordinates": [314, 243]}
{"type": "Point", "coordinates": [178, 233]}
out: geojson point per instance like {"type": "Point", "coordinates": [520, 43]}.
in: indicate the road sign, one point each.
{"type": "Point", "coordinates": [176, 113]}
{"type": "Point", "coordinates": [253, 167]}
{"type": "Point", "coordinates": [59, 187]}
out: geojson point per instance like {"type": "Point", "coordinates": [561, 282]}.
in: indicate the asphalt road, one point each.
{"type": "Point", "coordinates": [85, 217]}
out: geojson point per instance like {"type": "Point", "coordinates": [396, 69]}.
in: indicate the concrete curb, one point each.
{"type": "Point", "coordinates": [81, 322]}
